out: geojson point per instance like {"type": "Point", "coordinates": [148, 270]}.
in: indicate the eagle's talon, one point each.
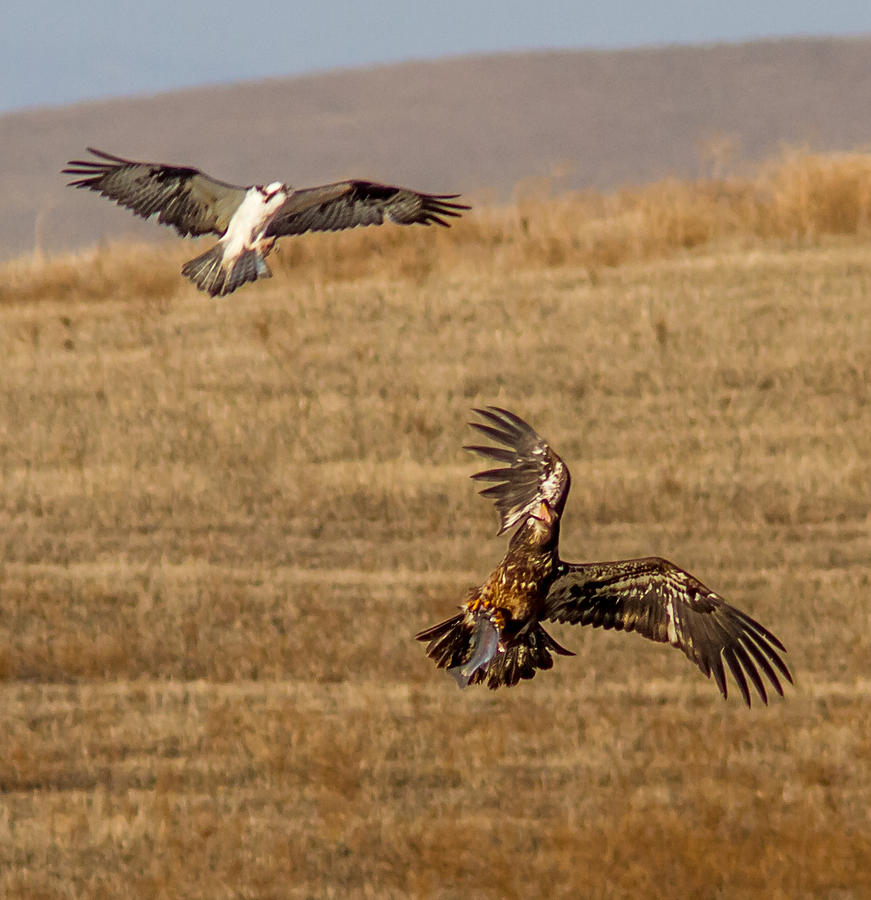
{"type": "Point", "coordinates": [497, 617]}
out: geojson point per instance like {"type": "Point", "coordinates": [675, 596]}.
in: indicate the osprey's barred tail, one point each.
{"type": "Point", "coordinates": [209, 272]}
{"type": "Point", "coordinates": [468, 645]}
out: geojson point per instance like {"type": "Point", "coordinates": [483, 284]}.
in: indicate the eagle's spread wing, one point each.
{"type": "Point", "coordinates": [185, 198]}
{"type": "Point", "coordinates": [534, 473]}
{"type": "Point", "coordinates": [348, 204]}
{"type": "Point", "coordinates": [664, 603]}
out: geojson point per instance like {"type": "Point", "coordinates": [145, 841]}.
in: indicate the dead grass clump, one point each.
{"type": "Point", "coordinates": [118, 271]}
{"type": "Point", "coordinates": [807, 196]}
{"type": "Point", "coordinates": [798, 197]}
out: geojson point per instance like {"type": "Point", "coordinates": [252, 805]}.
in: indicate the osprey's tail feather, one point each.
{"type": "Point", "coordinates": [471, 648]}
{"type": "Point", "coordinates": [209, 272]}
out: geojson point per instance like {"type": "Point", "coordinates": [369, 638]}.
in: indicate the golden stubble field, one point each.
{"type": "Point", "coordinates": [223, 522]}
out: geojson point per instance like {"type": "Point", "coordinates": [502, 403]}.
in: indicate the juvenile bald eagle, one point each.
{"type": "Point", "coordinates": [249, 219]}
{"type": "Point", "coordinates": [498, 637]}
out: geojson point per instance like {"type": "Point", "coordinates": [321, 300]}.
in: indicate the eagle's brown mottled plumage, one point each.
{"type": "Point", "coordinates": [194, 203]}
{"type": "Point", "coordinates": [498, 638]}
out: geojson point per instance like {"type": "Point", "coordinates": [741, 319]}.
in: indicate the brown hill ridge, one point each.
{"type": "Point", "coordinates": [473, 124]}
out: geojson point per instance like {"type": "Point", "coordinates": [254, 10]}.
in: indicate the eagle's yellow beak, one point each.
{"type": "Point", "coordinates": [544, 513]}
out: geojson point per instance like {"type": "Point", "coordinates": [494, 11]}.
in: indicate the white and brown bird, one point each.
{"type": "Point", "coordinates": [497, 637]}
{"type": "Point", "coordinates": [250, 219]}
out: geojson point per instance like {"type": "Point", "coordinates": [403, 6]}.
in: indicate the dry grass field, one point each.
{"type": "Point", "coordinates": [223, 522]}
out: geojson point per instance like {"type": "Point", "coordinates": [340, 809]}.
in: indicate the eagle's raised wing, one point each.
{"type": "Point", "coordinates": [534, 473]}
{"type": "Point", "coordinates": [185, 198]}
{"type": "Point", "coordinates": [665, 603]}
{"type": "Point", "coordinates": [348, 204]}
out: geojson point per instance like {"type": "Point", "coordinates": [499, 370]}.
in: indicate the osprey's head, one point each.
{"type": "Point", "coordinates": [272, 189]}
{"type": "Point", "coordinates": [274, 195]}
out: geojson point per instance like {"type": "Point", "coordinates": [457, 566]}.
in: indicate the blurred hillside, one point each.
{"type": "Point", "coordinates": [478, 125]}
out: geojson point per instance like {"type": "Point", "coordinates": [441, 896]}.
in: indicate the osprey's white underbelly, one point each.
{"type": "Point", "coordinates": [251, 218]}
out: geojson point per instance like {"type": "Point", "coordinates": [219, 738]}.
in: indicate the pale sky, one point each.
{"type": "Point", "coordinates": [56, 52]}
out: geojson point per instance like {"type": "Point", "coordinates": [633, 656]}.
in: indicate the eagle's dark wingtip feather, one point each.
{"type": "Point", "coordinates": [501, 437]}
{"type": "Point", "coordinates": [491, 453]}
{"type": "Point", "coordinates": [737, 673]}
{"type": "Point", "coordinates": [771, 638]}
{"type": "Point", "coordinates": [500, 415]}
{"type": "Point", "coordinates": [761, 630]}
{"type": "Point", "coordinates": [774, 656]}
{"type": "Point", "coordinates": [720, 676]}
{"type": "Point", "coordinates": [497, 491]}
{"type": "Point", "coordinates": [513, 428]}
{"type": "Point", "coordinates": [750, 645]}
{"type": "Point", "coordinates": [512, 417]}
{"type": "Point", "coordinates": [493, 475]}
{"type": "Point", "coordinates": [750, 670]}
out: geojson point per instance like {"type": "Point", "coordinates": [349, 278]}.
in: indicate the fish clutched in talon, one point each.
{"type": "Point", "coordinates": [249, 219]}
{"type": "Point", "coordinates": [498, 638]}
{"type": "Point", "coordinates": [483, 644]}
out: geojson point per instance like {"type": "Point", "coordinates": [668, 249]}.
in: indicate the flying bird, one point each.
{"type": "Point", "coordinates": [250, 219]}
{"type": "Point", "coordinates": [498, 638]}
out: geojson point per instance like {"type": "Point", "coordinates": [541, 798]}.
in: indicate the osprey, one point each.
{"type": "Point", "coordinates": [498, 637]}
{"type": "Point", "coordinates": [248, 219]}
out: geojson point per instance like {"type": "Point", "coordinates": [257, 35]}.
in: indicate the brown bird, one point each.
{"type": "Point", "coordinates": [249, 219]}
{"type": "Point", "coordinates": [498, 637]}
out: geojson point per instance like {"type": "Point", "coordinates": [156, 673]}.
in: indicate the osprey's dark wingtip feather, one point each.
{"type": "Point", "coordinates": [92, 168]}
{"type": "Point", "coordinates": [435, 206]}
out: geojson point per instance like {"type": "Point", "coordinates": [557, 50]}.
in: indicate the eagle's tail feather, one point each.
{"type": "Point", "coordinates": [210, 273]}
{"type": "Point", "coordinates": [470, 647]}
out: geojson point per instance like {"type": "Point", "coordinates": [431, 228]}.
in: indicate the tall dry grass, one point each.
{"type": "Point", "coordinates": [222, 522]}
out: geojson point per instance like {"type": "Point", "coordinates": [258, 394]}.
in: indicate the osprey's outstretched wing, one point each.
{"type": "Point", "coordinates": [665, 603]}
{"type": "Point", "coordinates": [187, 199]}
{"type": "Point", "coordinates": [533, 474]}
{"type": "Point", "coordinates": [347, 204]}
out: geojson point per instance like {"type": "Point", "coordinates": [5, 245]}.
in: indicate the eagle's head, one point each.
{"type": "Point", "coordinates": [540, 531]}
